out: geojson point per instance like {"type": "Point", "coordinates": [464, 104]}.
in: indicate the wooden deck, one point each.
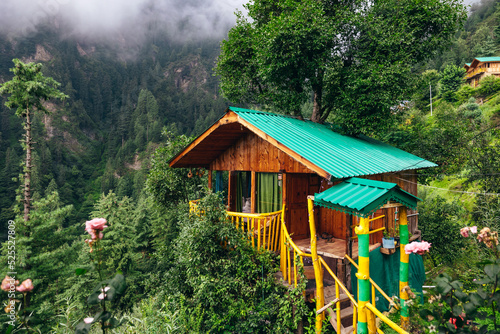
{"type": "Point", "coordinates": [335, 249]}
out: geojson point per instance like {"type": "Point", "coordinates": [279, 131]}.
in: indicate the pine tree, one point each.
{"type": "Point", "coordinates": [28, 89]}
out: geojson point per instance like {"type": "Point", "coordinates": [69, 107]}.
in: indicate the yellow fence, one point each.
{"type": "Point", "coordinates": [262, 229]}
{"type": "Point", "coordinates": [287, 261]}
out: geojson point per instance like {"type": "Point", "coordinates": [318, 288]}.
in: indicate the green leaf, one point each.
{"type": "Point", "coordinates": [113, 323]}
{"type": "Point", "coordinates": [80, 271]}
{"type": "Point", "coordinates": [443, 288]}
{"type": "Point", "coordinates": [492, 270]}
{"type": "Point", "coordinates": [470, 309]}
{"type": "Point", "coordinates": [118, 283]}
{"type": "Point", "coordinates": [476, 299]}
{"type": "Point", "coordinates": [102, 316]}
{"type": "Point", "coordinates": [82, 328]}
{"type": "Point", "coordinates": [457, 310]}
{"type": "Point", "coordinates": [461, 295]}
{"type": "Point", "coordinates": [93, 299]}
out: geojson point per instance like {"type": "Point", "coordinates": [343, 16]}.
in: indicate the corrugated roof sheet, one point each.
{"type": "Point", "coordinates": [339, 155]}
{"type": "Point", "coordinates": [486, 59]}
{"type": "Point", "coordinates": [362, 197]}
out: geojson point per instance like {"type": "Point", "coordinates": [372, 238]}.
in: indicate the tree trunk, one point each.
{"type": "Point", "coordinates": [27, 175]}
{"type": "Point", "coordinates": [316, 114]}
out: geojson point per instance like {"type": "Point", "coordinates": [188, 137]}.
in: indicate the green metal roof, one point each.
{"type": "Point", "coordinates": [339, 155]}
{"type": "Point", "coordinates": [486, 59]}
{"type": "Point", "coordinates": [362, 197]}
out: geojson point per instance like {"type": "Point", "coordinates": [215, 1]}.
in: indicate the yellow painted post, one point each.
{"type": "Point", "coordinates": [363, 274]}
{"type": "Point", "coordinates": [403, 266]}
{"type": "Point", "coordinates": [320, 297]}
{"type": "Point", "coordinates": [339, 319]}
{"type": "Point", "coordinates": [282, 252]}
{"type": "Point", "coordinates": [264, 235]}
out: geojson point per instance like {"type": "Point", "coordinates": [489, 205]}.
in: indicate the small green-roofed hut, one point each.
{"type": "Point", "coordinates": [265, 161]}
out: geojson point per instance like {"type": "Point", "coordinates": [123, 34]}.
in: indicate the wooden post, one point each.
{"type": "Point", "coordinates": [253, 196]}
{"type": "Point", "coordinates": [320, 297]}
{"type": "Point", "coordinates": [403, 266]}
{"type": "Point", "coordinates": [231, 190]}
{"type": "Point", "coordinates": [209, 179]}
{"type": "Point", "coordinates": [363, 274]}
{"type": "Point", "coordinates": [348, 252]}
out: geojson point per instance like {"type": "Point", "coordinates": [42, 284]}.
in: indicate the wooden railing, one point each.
{"type": "Point", "coordinates": [287, 261]}
{"type": "Point", "coordinates": [262, 229]}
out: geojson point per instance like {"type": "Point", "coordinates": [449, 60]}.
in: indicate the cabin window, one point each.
{"type": "Point", "coordinates": [243, 191]}
{"type": "Point", "coordinates": [269, 192]}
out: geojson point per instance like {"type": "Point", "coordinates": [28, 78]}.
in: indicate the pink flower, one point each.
{"type": "Point", "coordinates": [103, 294]}
{"type": "Point", "coordinates": [95, 226]}
{"type": "Point", "coordinates": [473, 229]}
{"type": "Point", "coordinates": [88, 320]}
{"type": "Point", "coordinates": [25, 286]}
{"type": "Point", "coordinates": [98, 224]}
{"type": "Point", "coordinates": [417, 247]}
{"type": "Point", "coordinates": [465, 231]}
{"type": "Point", "coordinates": [8, 282]}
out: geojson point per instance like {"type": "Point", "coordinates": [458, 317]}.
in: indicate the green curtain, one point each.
{"type": "Point", "coordinates": [384, 270]}
{"type": "Point", "coordinates": [269, 198]}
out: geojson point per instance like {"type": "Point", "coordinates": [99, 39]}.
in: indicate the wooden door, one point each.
{"type": "Point", "coordinates": [297, 220]}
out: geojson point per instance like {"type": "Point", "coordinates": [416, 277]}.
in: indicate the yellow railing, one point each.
{"type": "Point", "coordinates": [476, 71]}
{"type": "Point", "coordinates": [382, 317]}
{"type": "Point", "coordinates": [287, 262]}
{"type": "Point", "coordinates": [262, 229]}
{"type": "Point", "coordinates": [338, 286]}
{"type": "Point", "coordinates": [375, 286]}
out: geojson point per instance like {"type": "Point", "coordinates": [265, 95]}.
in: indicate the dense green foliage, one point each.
{"type": "Point", "coordinates": [352, 57]}
{"type": "Point", "coordinates": [220, 283]}
{"type": "Point", "coordinates": [437, 218]}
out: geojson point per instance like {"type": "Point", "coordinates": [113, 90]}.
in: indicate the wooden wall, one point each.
{"type": "Point", "coordinates": [251, 153]}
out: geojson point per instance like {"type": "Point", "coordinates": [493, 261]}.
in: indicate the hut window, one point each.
{"type": "Point", "coordinates": [243, 191]}
{"type": "Point", "coordinates": [269, 192]}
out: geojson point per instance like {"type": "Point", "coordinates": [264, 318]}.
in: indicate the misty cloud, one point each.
{"type": "Point", "coordinates": [125, 19]}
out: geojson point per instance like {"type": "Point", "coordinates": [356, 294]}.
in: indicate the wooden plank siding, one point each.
{"type": "Point", "coordinates": [252, 153]}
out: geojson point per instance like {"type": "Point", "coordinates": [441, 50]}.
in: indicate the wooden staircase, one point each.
{"type": "Point", "coordinates": [346, 310]}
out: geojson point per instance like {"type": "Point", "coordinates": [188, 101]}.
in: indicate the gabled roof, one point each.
{"type": "Point", "coordinates": [318, 146]}
{"type": "Point", "coordinates": [478, 60]}
{"type": "Point", "coordinates": [362, 197]}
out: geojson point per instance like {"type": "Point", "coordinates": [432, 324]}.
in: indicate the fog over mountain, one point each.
{"type": "Point", "coordinates": [126, 19]}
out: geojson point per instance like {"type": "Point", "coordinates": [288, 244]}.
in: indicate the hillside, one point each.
{"type": "Point", "coordinates": [100, 138]}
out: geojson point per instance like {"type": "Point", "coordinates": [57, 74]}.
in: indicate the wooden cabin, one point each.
{"type": "Point", "coordinates": [274, 160]}
{"type": "Point", "coordinates": [480, 68]}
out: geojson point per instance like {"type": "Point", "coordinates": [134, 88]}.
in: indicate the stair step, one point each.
{"type": "Point", "coordinates": [348, 330]}
{"type": "Point", "coordinates": [344, 313]}
{"type": "Point", "coordinates": [329, 293]}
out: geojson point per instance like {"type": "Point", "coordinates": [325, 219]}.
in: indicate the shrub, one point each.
{"type": "Point", "coordinates": [219, 283]}
{"type": "Point", "coordinates": [488, 86]}
{"type": "Point", "coordinates": [437, 220]}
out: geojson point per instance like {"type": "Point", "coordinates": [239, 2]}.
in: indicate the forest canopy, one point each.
{"type": "Point", "coordinates": [352, 58]}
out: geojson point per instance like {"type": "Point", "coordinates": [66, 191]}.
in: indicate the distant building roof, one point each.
{"type": "Point", "coordinates": [320, 146]}
{"type": "Point", "coordinates": [478, 60]}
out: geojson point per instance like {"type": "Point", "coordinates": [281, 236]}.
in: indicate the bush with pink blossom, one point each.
{"type": "Point", "coordinates": [107, 290]}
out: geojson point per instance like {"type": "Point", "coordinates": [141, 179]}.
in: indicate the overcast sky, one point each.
{"type": "Point", "coordinates": [127, 19]}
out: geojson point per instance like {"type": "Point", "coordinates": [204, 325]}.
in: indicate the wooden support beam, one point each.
{"type": "Point", "coordinates": [253, 196]}
{"type": "Point", "coordinates": [210, 179]}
